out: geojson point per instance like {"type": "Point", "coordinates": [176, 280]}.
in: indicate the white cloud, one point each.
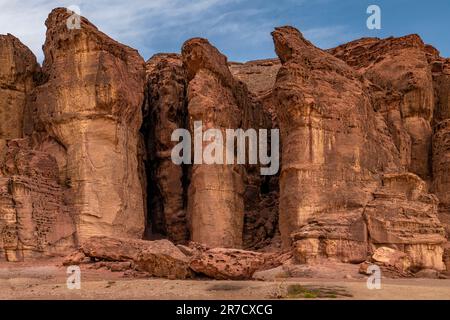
{"type": "Point", "coordinates": [124, 21]}
{"type": "Point", "coordinates": [150, 25]}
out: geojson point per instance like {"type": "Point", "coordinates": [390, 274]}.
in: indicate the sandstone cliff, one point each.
{"type": "Point", "coordinates": [91, 104]}
{"type": "Point", "coordinates": [86, 142]}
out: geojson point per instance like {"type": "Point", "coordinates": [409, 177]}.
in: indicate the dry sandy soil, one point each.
{"type": "Point", "coordinates": [47, 280]}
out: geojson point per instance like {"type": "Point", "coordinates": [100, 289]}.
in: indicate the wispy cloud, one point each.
{"type": "Point", "coordinates": [327, 37]}
{"type": "Point", "coordinates": [240, 28]}
{"type": "Point", "coordinates": [132, 21]}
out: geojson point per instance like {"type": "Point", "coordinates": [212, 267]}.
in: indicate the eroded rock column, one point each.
{"type": "Point", "coordinates": [215, 195]}
{"type": "Point", "coordinates": [332, 148]}
{"type": "Point", "coordinates": [91, 104]}
{"type": "Point", "coordinates": [441, 145]}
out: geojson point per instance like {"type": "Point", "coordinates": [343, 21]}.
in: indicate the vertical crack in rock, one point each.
{"type": "Point", "coordinates": [261, 192]}
{"type": "Point", "coordinates": [165, 112]}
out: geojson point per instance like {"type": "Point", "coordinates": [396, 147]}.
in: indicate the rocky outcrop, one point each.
{"type": "Point", "coordinates": [233, 264]}
{"type": "Point", "coordinates": [34, 218]}
{"type": "Point", "coordinates": [403, 215]}
{"type": "Point", "coordinates": [159, 258]}
{"type": "Point", "coordinates": [86, 146]}
{"type": "Point", "coordinates": [91, 104]}
{"type": "Point", "coordinates": [399, 67]}
{"type": "Point", "coordinates": [441, 138]}
{"type": "Point", "coordinates": [18, 67]}
{"type": "Point", "coordinates": [391, 257]}
{"type": "Point", "coordinates": [334, 144]}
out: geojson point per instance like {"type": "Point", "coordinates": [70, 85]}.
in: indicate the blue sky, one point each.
{"type": "Point", "coordinates": [239, 28]}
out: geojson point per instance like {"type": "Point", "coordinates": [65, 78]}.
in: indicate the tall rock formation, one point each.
{"type": "Point", "coordinates": [91, 104]}
{"type": "Point", "coordinates": [334, 144]}
{"type": "Point", "coordinates": [399, 67]}
{"type": "Point", "coordinates": [440, 68]}
{"type": "Point", "coordinates": [34, 218]}
{"type": "Point", "coordinates": [215, 196]}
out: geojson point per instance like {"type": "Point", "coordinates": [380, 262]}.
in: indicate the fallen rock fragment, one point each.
{"type": "Point", "coordinates": [75, 258]}
{"type": "Point", "coordinates": [159, 258]}
{"type": "Point", "coordinates": [391, 257]}
{"type": "Point", "coordinates": [225, 264]}
{"type": "Point", "coordinates": [232, 264]}
{"type": "Point", "coordinates": [163, 259]}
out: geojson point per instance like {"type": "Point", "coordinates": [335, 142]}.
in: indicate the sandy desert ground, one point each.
{"type": "Point", "coordinates": [47, 280]}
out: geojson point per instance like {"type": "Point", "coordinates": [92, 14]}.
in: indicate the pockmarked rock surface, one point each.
{"type": "Point", "coordinates": [234, 264]}
{"type": "Point", "coordinates": [86, 146]}
{"type": "Point", "coordinates": [35, 220]}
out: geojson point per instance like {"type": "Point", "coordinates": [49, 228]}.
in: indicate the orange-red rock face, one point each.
{"type": "Point", "coordinates": [333, 147]}
{"type": "Point", "coordinates": [215, 196]}
{"type": "Point", "coordinates": [85, 150]}
{"type": "Point", "coordinates": [34, 218]}
{"type": "Point", "coordinates": [17, 67]}
{"type": "Point", "coordinates": [399, 66]}
{"type": "Point", "coordinates": [91, 104]}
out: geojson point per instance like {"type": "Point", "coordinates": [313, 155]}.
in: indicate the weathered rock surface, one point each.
{"type": "Point", "coordinates": [91, 104]}
{"type": "Point", "coordinates": [261, 194]}
{"type": "Point", "coordinates": [260, 77]}
{"type": "Point", "coordinates": [393, 258]}
{"type": "Point", "coordinates": [159, 258]}
{"type": "Point", "coordinates": [85, 150]}
{"type": "Point", "coordinates": [399, 66]}
{"type": "Point", "coordinates": [233, 264]}
{"type": "Point", "coordinates": [18, 68]}
{"type": "Point", "coordinates": [34, 218]}
{"type": "Point", "coordinates": [404, 215]}
{"type": "Point", "coordinates": [215, 196]}
{"type": "Point", "coordinates": [333, 146]}
{"type": "Point", "coordinates": [441, 138]}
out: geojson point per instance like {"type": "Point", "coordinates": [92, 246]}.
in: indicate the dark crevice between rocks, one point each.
{"type": "Point", "coordinates": [157, 226]}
